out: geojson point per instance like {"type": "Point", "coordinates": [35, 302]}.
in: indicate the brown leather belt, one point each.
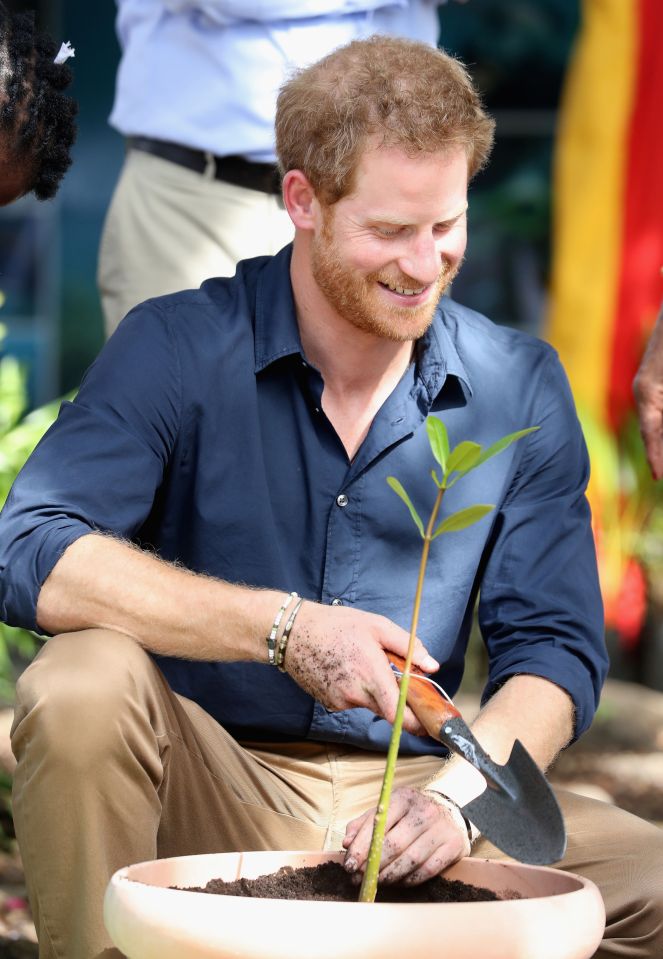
{"type": "Point", "coordinates": [231, 169]}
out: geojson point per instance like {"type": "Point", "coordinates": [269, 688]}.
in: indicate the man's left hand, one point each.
{"type": "Point", "coordinates": [423, 836]}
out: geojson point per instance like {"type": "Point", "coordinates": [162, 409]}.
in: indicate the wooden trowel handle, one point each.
{"type": "Point", "coordinates": [426, 702]}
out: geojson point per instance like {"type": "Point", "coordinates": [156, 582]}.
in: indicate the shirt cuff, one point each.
{"type": "Point", "coordinates": [30, 570]}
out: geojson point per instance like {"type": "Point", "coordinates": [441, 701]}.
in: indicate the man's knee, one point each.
{"type": "Point", "coordinates": [76, 692]}
{"type": "Point", "coordinates": [642, 920]}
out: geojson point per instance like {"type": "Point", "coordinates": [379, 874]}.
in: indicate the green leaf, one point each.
{"type": "Point", "coordinates": [436, 479]}
{"type": "Point", "coordinates": [463, 457]}
{"type": "Point", "coordinates": [13, 392]}
{"type": "Point", "coordinates": [463, 518]}
{"type": "Point", "coordinates": [502, 445]}
{"type": "Point", "coordinates": [397, 488]}
{"type": "Point", "coordinates": [438, 439]}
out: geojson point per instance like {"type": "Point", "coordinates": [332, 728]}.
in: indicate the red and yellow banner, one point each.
{"type": "Point", "coordinates": [608, 203]}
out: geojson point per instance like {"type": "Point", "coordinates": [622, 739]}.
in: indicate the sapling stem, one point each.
{"type": "Point", "coordinates": [369, 885]}
{"type": "Point", "coordinates": [455, 464]}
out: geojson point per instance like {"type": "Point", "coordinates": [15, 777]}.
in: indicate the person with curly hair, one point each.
{"type": "Point", "coordinates": [37, 119]}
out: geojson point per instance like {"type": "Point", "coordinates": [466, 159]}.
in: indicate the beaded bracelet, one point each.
{"type": "Point", "coordinates": [271, 639]}
{"type": "Point", "coordinates": [280, 654]}
{"type": "Point", "coordinates": [453, 805]}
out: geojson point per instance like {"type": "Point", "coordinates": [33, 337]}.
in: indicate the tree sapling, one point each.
{"type": "Point", "coordinates": [454, 464]}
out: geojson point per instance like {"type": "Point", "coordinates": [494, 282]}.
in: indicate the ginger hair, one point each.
{"type": "Point", "coordinates": [382, 90]}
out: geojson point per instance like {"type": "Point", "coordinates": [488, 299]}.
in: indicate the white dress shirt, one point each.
{"type": "Point", "coordinates": [205, 73]}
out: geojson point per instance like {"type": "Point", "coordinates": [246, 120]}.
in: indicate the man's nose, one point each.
{"type": "Point", "coordinates": [422, 259]}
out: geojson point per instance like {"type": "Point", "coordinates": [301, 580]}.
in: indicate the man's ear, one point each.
{"type": "Point", "coordinates": [299, 199]}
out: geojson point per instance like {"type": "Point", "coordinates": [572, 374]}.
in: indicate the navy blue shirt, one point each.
{"type": "Point", "coordinates": [199, 433]}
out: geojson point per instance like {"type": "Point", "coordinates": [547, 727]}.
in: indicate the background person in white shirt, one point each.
{"type": "Point", "coordinates": [195, 98]}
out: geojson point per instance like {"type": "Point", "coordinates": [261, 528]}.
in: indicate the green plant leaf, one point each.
{"type": "Point", "coordinates": [438, 439]}
{"type": "Point", "coordinates": [502, 445]}
{"type": "Point", "coordinates": [13, 392]}
{"type": "Point", "coordinates": [463, 457]}
{"type": "Point", "coordinates": [463, 518]}
{"type": "Point", "coordinates": [436, 479]}
{"type": "Point", "coordinates": [397, 488]}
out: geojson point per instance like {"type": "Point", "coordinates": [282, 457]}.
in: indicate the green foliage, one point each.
{"type": "Point", "coordinates": [397, 488]}
{"type": "Point", "coordinates": [462, 459]}
{"type": "Point", "coordinates": [454, 463]}
{"type": "Point", "coordinates": [7, 835]}
{"type": "Point", "coordinates": [439, 440]}
{"type": "Point", "coordinates": [463, 518]}
{"type": "Point", "coordinates": [19, 434]}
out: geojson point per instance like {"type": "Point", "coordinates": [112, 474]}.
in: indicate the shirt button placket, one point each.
{"type": "Point", "coordinates": [341, 501]}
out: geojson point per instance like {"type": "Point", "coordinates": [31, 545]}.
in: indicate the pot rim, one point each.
{"type": "Point", "coordinates": [577, 882]}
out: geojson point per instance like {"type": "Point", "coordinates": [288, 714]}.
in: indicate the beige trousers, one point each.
{"type": "Point", "coordinates": [114, 768]}
{"type": "Point", "coordinates": [168, 229]}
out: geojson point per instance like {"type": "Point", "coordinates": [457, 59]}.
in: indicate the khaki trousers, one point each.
{"type": "Point", "coordinates": [114, 768]}
{"type": "Point", "coordinates": [168, 229]}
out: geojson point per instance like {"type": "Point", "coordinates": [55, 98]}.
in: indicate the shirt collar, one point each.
{"type": "Point", "coordinates": [437, 351]}
{"type": "Point", "coordinates": [276, 329]}
{"type": "Point", "coordinates": [277, 332]}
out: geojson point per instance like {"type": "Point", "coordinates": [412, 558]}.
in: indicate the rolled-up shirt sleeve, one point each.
{"type": "Point", "coordinates": [99, 466]}
{"type": "Point", "coordinates": [540, 607]}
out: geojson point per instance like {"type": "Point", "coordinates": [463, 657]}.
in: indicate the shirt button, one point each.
{"type": "Point", "coordinates": [336, 601]}
{"type": "Point", "coordinates": [342, 500]}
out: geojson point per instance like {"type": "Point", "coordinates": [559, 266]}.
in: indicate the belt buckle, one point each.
{"type": "Point", "coordinates": [209, 172]}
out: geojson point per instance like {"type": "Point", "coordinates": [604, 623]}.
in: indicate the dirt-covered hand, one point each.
{"type": "Point", "coordinates": [423, 836]}
{"type": "Point", "coordinates": [337, 655]}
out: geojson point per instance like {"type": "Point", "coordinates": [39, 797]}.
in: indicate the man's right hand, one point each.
{"type": "Point", "coordinates": [337, 655]}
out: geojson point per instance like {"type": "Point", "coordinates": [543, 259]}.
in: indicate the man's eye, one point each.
{"type": "Point", "coordinates": [388, 230]}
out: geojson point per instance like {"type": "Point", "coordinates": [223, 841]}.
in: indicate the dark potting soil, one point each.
{"type": "Point", "coordinates": [330, 882]}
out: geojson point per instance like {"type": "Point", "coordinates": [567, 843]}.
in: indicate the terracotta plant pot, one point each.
{"type": "Point", "coordinates": [561, 915]}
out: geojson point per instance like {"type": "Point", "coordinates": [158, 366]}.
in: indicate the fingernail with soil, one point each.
{"type": "Point", "coordinates": [350, 865]}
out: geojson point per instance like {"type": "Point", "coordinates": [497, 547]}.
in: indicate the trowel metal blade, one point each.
{"type": "Point", "coordinates": [518, 811]}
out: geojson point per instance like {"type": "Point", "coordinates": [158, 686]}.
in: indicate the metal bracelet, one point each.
{"type": "Point", "coordinates": [271, 639]}
{"type": "Point", "coordinates": [280, 653]}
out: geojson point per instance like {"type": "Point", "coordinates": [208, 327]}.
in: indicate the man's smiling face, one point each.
{"type": "Point", "coordinates": [383, 255]}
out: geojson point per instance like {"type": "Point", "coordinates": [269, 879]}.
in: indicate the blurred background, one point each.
{"type": "Point", "coordinates": [566, 242]}
{"type": "Point", "coordinates": [564, 203]}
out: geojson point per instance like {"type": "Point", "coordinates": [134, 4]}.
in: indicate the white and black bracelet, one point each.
{"type": "Point", "coordinates": [451, 804]}
{"type": "Point", "coordinates": [271, 639]}
{"type": "Point", "coordinates": [283, 642]}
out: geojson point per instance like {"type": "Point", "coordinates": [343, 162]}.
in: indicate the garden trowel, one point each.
{"type": "Point", "coordinates": [517, 811]}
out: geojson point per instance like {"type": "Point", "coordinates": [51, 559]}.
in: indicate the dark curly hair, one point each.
{"type": "Point", "coordinates": [37, 126]}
